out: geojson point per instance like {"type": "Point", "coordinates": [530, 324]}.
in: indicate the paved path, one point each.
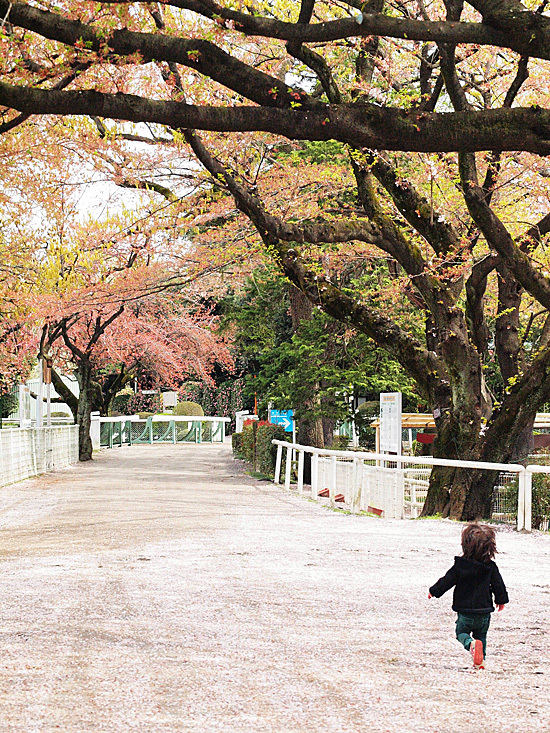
{"type": "Point", "coordinates": [159, 589]}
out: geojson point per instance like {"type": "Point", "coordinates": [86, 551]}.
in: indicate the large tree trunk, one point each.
{"type": "Point", "coordinates": [83, 417]}
{"type": "Point", "coordinates": [310, 429]}
{"type": "Point", "coordinates": [466, 494]}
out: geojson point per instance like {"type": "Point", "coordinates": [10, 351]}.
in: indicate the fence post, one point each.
{"type": "Point", "coordinates": [414, 508]}
{"type": "Point", "coordinates": [300, 471]}
{"type": "Point", "coordinates": [288, 467]}
{"type": "Point", "coordinates": [356, 486]}
{"type": "Point", "coordinates": [521, 501]}
{"type": "Point", "coordinates": [95, 430]}
{"type": "Point", "coordinates": [278, 462]}
{"type": "Point", "coordinates": [314, 475]}
{"type": "Point", "coordinates": [528, 526]}
{"type": "Point", "coordinates": [332, 489]}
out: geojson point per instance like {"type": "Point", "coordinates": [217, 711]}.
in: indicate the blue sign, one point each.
{"type": "Point", "coordinates": [285, 418]}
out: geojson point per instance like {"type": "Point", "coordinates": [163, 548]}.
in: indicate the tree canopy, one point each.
{"type": "Point", "coordinates": [335, 135]}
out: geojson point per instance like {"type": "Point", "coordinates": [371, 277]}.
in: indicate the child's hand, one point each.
{"type": "Point", "coordinates": [429, 595]}
{"type": "Point", "coordinates": [500, 607]}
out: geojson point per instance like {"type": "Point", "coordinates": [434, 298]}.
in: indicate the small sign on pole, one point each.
{"type": "Point", "coordinates": [390, 422]}
{"type": "Point", "coordinates": [285, 418]}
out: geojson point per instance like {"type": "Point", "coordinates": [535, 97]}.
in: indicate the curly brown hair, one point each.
{"type": "Point", "coordinates": [478, 542]}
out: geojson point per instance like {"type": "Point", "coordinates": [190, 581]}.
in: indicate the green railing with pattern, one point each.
{"type": "Point", "coordinates": [126, 430]}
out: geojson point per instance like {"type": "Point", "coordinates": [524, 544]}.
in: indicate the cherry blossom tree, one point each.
{"type": "Point", "coordinates": [105, 294]}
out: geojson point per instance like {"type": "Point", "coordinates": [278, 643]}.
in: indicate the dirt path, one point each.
{"type": "Point", "coordinates": [159, 589]}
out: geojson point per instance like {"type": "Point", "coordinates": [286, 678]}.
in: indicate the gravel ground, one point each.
{"type": "Point", "coordinates": [160, 589]}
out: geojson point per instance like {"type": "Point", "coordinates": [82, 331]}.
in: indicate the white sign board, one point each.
{"type": "Point", "coordinates": [390, 422]}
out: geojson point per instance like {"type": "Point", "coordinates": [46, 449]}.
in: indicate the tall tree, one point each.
{"type": "Point", "coordinates": [462, 232]}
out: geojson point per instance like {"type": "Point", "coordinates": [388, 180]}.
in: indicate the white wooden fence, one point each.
{"type": "Point", "coordinates": [26, 452]}
{"type": "Point", "coordinates": [395, 486]}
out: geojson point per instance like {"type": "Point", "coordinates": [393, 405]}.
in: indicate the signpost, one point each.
{"type": "Point", "coordinates": [390, 422]}
{"type": "Point", "coordinates": [285, 418]}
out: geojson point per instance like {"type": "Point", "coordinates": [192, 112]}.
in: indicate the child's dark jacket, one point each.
{"type": "Point", "coordinates": [475, 585]}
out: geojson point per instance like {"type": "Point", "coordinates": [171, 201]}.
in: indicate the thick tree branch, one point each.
{"type": "Point", "coordinates": [65, 393]}
{"type": "Point", "coordinates": [498, 237]}
{"type": "Point", "coordinates": [362, 125]}
{"type": "Point", "coordinates": [507, 337]}
{"type": "Point", "coordinates": [377, 24]}
{"type": "Point", "coordinates": [101, 326]}
{"type": "Point", "coordinates": [61, 84]}
{"type": "Point", "coordinates": [202, 56]}
{"type": "Point", "coordinates": [476, 285]}
{"type": "Point", "coordinates": [168, 194]}
{"type": "Point", "coordinates": [428, 370]}
{"type": "Point", "coordinates": [531, 29]}
{"type": "Point", "coordinates": [417, 210]}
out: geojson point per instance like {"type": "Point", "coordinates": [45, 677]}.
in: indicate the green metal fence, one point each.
{"type": "Point", "coordinates": [161, 429]}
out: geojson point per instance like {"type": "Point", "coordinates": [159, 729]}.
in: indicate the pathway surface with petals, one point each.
{"type": "Point", "coordinates": [161, 589]}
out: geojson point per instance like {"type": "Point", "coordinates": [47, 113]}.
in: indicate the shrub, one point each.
{"type": "Point", "coordinates": [145, 415]}
{"type": "Point", "coordinates": [247, 441]}
{"type": "Point", "coordinates": [223, 400]}
{"type": "Point", "coordinates": [120, 403]}
{"type": "Point", "coordinates": [236, 444]}
{"type": "Point", "coordinates": [187, 408]}
{"type": "Point", "coordinates": [61, 414]}
{"type": "Point", "coordinates": [255, 446]}
{"type": "Point", "coordinates": [340, 442]}
{"type": "Point", "coordinates": [8, 404]}
{"type": "Point", "coordinates": [541, 499]}
{"type": "Point", "coordinates": [266, 452]}
{"type": "Point", "coordinates": [140, 402]}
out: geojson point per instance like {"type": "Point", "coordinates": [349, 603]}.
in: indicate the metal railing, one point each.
{"type": "Point", "coordinates": [396, 486]}
{"type": "Point", "coordinates": [108, 432]}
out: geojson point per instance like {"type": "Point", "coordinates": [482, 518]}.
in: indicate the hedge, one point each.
{"type": "Point", "coordinates": [255, 446]}
{"type": "Point", "coordinates": [188, 408]}
{"type": "Point", "coordinates": [236, 444]}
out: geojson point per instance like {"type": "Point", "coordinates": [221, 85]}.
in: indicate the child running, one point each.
{"type": "Point", "coordinates": [477, 579]}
